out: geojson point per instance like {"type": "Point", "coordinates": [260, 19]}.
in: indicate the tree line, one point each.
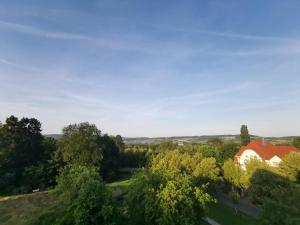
{"type": "Point", "coordinates": [29, 160]}
{"type": "Point", "coordinates": [173, 186]}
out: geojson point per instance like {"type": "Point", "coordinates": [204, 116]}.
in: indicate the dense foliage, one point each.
{"type": "Point", "coordinates": [26, 157]}
{"type": "Point", "coordinates": [82, 199]}
{"type": "Point", "coordinates": [174, 185]}
{"type": "Point", "coordinates": [275, 189]}
{"type": "Point", "coordinates": [175, 190]}
{"type": "Point", "coordinates": [83, 144]}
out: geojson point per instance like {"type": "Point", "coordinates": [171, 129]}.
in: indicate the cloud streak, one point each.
{"type": "Point", "coordinates": [231, 35]}
{"type": "Point", "coordinates": [44, 33]}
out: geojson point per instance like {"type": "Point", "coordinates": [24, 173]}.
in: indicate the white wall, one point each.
{"type": "Point", "coordinates": [275, 161]}
{"type": "Point", "coordinates": [247, 155]}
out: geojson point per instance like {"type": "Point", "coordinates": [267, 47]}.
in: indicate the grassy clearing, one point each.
{"type": "Point", "coordinates": [20, 209]}
{"type": "Point", "coordinates": [118, 188]}
{"type": "Point", "coordinates": [121, 184]}
{"type": "Point", "coordinates": [227, 216]}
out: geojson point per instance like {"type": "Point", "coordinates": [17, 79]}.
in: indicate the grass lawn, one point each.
{"type": "Point", "coordinates": [227, 216]}
{"type": "Point", "coordinates": [118, 188]}
{"type": "Point", "coordinates": [20, 209]}
{"type": "Point", "coordinates": [121, 184]}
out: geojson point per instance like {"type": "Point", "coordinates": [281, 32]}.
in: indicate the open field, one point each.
{"type": "Point", "coordinates": [20, 209]}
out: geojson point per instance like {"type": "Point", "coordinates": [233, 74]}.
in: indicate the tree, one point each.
{"type": "Point", "coordinates": [43, 174]}
{"type": "Point", "coordinates": [282, 208]}
{"type": "Point", "coordinates": [154, 199]}
{"type": "Point", "coordinates": [166, 146]}
{"type": "Point", "coordinates": [20, 147]}
{"type": "Point", "coordinates": [207, 170]}
{"type": "Point", "coordinates": [226, 151]}
{"type": "Point", "coordinates": [120, 143]}
{"type": "Point", "coordinates": [278, 196]}
{"type": "Point", "coordinates": [262, 184]}
{"type": "Point", "coordinates": [233, 173]}
{"type": "Point", "coordinates": [174, 190]}
{"type": "Point", "coordinates": [214, 142]}
{"type": "Point", "coordinates": [207, 151]}
{"type": "Point", "coordinates": [296, 142]}
{"type": "Point", "coordinates": [290, 166]}
{"type": "Point", "coordinates": [245, 137]}
{"type": "Point", "coordinates": [81, 144]}
{"type": "Point", "coordinates": [111, 157]}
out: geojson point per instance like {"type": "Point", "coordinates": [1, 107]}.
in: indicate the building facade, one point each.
{"type": "Point", "coordinates": [263, 151]}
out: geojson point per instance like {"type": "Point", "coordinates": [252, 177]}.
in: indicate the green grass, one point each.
{"type": "Point", "coordinates": [20, 209]}
{"type": "Point", "coordinates": [228, 216]}
{"type": "Point", "coordinates": [119, 188]}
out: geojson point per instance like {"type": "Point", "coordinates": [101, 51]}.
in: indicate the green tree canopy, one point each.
{"type": "Point", "coordinates": [174, 190]}
{"type": "Point", "coordinates": [111, 157]}
{"type": "Point", "coordinates": [233, 173]}
{"type": "Point", "coordinates": [290, 166]}
{"type": "Point", "coordinates": [20, 147]}
{"type": "Point", "coordinates": [278, 196]}
{"type": "Point", "coordinates": [81, 144]}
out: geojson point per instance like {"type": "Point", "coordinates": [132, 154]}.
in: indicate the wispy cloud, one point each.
{"type": "Point", "coordinates": [232, 35]}
{"type": "Point", "coordinates": [43, 33]}
{"type": "Point", "coordinates": [98, 41]}
{"type": "Point", "coordinates": [281, 50]}
{"type": "Point", "coordinates": [246, 36]}
{"type": "Point", "coordinates": [194, 97]}
{"type": "Point", "coordinates": [266, 104]}
{"type": "Point", "coordinates": [17, 65]}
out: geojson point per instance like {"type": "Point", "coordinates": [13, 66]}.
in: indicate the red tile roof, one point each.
{"type": "Point", "coordinates": [267, 150]}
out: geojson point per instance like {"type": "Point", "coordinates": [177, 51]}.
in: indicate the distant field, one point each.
{"type": "Point", "coordinates": [202, 139]}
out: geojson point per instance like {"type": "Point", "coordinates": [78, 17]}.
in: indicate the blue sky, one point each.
{"type": "Point", "coordinates": [153, 68]}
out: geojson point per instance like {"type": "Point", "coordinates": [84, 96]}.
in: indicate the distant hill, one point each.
{"type": "Point", "coordinates": [202, 139]}
{"type": "Point", "coordinates": [191, 139]}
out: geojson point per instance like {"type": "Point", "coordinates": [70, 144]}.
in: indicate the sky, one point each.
{"type": "Point", "coordinates": [153, 67]}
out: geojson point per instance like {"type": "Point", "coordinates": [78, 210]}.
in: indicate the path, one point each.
{"type": "Point", "coordinates": [211, 221]}
{"type": "Point", "coordinates": [244, 205]}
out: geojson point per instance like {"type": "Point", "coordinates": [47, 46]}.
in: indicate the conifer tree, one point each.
{"type": "Point", "coordinates": [245, 137]}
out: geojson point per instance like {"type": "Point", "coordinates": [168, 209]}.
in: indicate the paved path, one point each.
{"type": "Point", "coordinates": [211, 221]}
{"type": "Point", "coordinates": [244, 205]}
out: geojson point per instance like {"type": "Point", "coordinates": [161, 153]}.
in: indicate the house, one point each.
{"type": "Point", "coordinates": [263, 150]}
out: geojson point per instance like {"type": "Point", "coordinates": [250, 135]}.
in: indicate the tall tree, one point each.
{"type": "Point", "coordinates": [245, 137]}
{"type": "Point", "coordinates": [20, 147]}
{"type": "Point", "coordinates": [120, 143]}
{"type": "Point", "coordinates": [81, 144]}
{"type": "Point", "coordinates": [111, 157]}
